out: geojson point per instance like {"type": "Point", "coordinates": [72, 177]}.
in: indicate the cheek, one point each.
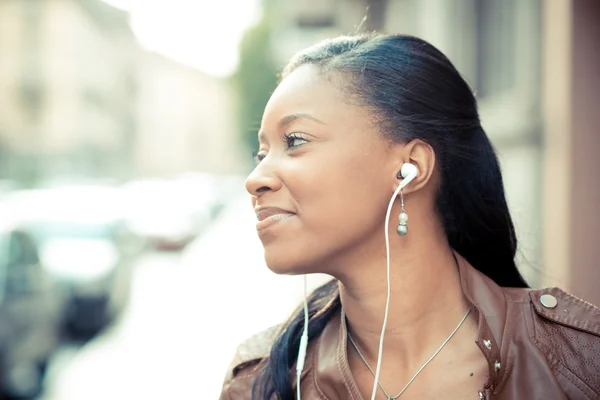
{"type": "Point", "coordinates": [340, 199]}
{"type": "Point", "coordinates": [344, 199]}
{"type": "Point", "coordinates": [342, 182]}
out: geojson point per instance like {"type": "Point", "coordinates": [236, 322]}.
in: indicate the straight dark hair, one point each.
{"type": "Point", "coordinates": [413, 92]}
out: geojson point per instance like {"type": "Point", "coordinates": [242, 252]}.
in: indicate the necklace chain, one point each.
{"type": "Point", "coordinates": [420, 369]}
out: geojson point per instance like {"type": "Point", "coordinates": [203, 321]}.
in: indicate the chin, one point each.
{"type": "Point", "coordinates": [288, 264]}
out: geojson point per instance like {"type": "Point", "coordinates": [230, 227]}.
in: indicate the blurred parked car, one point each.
{"type": "Point", "coordinates": [30, 320]}
{"type": "Point", "coordinates": [169, 214]}
{"type": "Point", "coordinates": [85, 247]}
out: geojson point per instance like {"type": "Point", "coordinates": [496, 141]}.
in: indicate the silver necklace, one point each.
{"type": "Point", "coordinates": [420, 369]}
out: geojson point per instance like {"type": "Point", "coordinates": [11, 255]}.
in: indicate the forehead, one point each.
{"type": "Point", "coordinates": [307, 91]}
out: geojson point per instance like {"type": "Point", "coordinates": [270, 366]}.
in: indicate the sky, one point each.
{"type": "Point", "coordinates": [203, 34]}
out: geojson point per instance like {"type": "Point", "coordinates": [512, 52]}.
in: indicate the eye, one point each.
{"type": "Point", "coordinates": [258, 156]}
{"type": "Point", "coordinates": [293, 140]}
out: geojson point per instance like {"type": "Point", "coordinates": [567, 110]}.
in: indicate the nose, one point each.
{"type": "Point", "coordinates": [262, 180]}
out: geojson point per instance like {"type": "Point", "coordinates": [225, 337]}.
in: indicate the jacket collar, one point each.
{"type": "Point", "coordinates": [487, 299]}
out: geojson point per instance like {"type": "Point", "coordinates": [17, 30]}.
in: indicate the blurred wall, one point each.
{"type": "Point", "coordinates": [585, 224]}
{"type": "Point", "coordinates": [80, 99]}
{"type": "Point", "coordinates": [534, 66]}
{"type": "Point", "coordinates": [572, 145]}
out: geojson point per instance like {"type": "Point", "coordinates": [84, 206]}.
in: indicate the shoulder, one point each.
{"type": "Point", "coordinates": [248, 356]}
{"type": "Point", "coordinates": [567, 329]}
{"type": "Point", "coordinates": [556, 306]}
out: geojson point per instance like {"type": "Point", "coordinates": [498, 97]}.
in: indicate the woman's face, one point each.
{"type": "Point", "coordinates": [323, 180]}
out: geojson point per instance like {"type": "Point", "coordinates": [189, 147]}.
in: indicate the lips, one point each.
{"type": "Point", "coordinates": [263, 213]}
{"type": "Point", "coordinates": [268, 216]}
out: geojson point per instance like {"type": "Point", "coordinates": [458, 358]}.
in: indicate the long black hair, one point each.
{"type": "Point", "coordinates": [414, 92]}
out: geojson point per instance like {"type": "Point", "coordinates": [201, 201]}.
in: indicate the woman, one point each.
{"type": "Point", "coordinates": [349, 116]}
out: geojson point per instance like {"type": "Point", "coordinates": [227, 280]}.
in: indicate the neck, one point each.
{"type": "Point", "coordinates": [426, 300]}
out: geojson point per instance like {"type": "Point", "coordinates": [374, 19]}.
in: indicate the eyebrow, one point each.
{"type": "Point", "coordinates": [288, 119]}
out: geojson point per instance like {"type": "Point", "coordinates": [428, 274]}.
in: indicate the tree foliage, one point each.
{"type": "Point", "coordinates": [254, 81]}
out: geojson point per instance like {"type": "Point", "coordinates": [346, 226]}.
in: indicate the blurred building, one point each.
{"type": "Point", "coordinates": [79, 98]}
{"type": "Point", "coordinates": [186, 120]}
{"type": "Point", "coordinates": [67, 86]}
{"type": "Point", "coordinates": [535, 67]}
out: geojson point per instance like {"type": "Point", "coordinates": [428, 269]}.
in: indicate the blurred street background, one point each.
{"type": "Point", "coordinates": [129, 262]}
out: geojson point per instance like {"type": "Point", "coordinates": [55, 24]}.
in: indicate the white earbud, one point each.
{"type": "Point", "coordinates": [408, 173]}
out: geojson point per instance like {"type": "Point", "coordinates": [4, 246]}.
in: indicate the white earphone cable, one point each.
{"type": "Point", "coordinates": [304, 339]}
{"type": "Point", "coordinates": [387, 303]}
{"type": "Point", "coordinates": [303, 342]}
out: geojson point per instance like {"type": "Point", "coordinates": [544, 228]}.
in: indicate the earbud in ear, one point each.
{"type": "Point", "coordinates": [407, 174]}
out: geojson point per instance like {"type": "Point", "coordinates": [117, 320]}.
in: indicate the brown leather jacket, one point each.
{"type": "Point", "coordinates": [539, 344]}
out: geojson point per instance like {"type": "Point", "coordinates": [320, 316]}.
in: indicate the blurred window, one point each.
{"type": "Point", "coordinates": [507, 53]}
{"type": "Point", "coordinates": [322, 21]}
{"type": "Point", "coordinates": [495, 38]}
{"type": "Point", "coordinates": [31, 85]}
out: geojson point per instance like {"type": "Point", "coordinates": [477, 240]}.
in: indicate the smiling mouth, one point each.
{"type": "Point", "coordinates": [272, 219]}
{"type": "Point", "coordinates": [266, 212]}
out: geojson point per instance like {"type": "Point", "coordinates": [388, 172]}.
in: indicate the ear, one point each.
{"type": "Point", "coordinates": [418, 153]}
